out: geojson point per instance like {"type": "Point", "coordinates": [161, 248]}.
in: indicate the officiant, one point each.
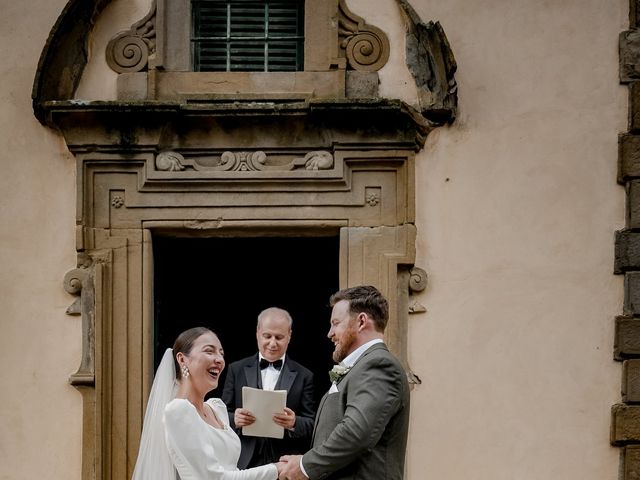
{"type": "Point", "coordinates": [271, 369]}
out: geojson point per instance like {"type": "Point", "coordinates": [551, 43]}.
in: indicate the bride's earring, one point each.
{"type": "Point", "coordinates": [185, 371]}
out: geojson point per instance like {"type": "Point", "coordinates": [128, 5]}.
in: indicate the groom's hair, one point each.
{"type": "Point", "coordinates": [365, 299]}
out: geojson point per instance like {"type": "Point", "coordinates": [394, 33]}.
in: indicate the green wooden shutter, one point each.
{"type": "Point", "coordinates": [248, 35]}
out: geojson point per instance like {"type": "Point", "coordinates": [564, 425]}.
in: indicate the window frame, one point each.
{"type": "Point", "coordinates": [229, 40]}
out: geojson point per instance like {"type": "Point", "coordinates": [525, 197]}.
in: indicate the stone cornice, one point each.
{"type": "Point", "coordinates": [370, 116]}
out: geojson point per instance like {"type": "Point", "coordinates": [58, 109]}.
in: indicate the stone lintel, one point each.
{"type": "Point", "coordinates": [625, 424]}
{"type": "Point", "coordinates": [631, 381]}
{"type": "Point", "coordinates": [627, 338]}
{"type": "Point", "coordinates": [627, 251]}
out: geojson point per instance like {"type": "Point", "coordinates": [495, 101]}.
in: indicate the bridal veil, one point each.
{"type": "Point", "coordinates": [153, 461]}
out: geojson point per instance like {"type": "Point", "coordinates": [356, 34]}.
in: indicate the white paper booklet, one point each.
{"type": "Point", "coordinates": [263, 404]}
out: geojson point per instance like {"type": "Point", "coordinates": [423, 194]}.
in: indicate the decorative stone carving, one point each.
{"type": "Point", "coordinates": [79, 282]}
{"type": "Point", "coordinates": [372, 196]}
{"type": "Point", "coordinates": [117, 201]}
{"type": "Point", "coordinates": [417, 280]}
{"type": "Point", "coordinates": [373, 199]}
{"type": "Point", "coordinates": [432, 64]}
{"type": "Point", "coordinates": [366, 47]}
{"type": "Point", "coordinates": [318, 160]}
{"type": "Point", "coordinates": [417, 283]}
{"type": "Point", "coordinates": [169, 161]}
{"type": "Point", "coordinates": [242, 161]}
{"type": "Point", "coordinates": [129, 51]}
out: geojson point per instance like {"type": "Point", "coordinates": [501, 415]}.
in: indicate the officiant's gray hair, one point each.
{"type": "Point", "coordinates": [275, 311]}
{"type": "Point", "coordinates": [366, 299]}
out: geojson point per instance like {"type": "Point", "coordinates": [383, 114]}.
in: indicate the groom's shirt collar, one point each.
{"type": "Point", "coordinates": [353, 357]}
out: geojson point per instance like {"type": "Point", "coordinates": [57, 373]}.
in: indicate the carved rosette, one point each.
{"type": "Point", "coordinates": [366, 47]}
{"type": "Point", "coordinates": [129, 51]}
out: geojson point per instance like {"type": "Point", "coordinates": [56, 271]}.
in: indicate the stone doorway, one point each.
{"type": "Point", "coordinates": [224, 282]}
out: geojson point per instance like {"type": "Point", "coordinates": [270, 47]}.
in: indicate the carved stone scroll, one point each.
{"type": "Point", "coordinates": [169, 161]}
{"type": "Point", "coordinates": [243, 162]}
{"type": "Point", "coordinates": [417, 283]}
{"type": "Point", "coordinates": [129, 51]}
{"type": "Point", "coordinates": [79, 281]}
{"type": "Point", "coordinates": [366, 47]}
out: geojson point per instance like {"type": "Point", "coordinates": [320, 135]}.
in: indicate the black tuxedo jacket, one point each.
{"type": "Point", "coordinates": [298, 382]}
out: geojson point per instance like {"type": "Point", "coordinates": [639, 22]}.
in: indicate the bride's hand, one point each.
{"type": "Point", "coordinates": [280, 467]}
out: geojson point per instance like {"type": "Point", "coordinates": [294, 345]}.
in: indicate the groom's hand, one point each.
{"type": "Point", "coordinates": [286, 418]}
{"type": "Point", "coordinates": [243, 417]}
{"type": "Point", "coordinates": [291, 468]}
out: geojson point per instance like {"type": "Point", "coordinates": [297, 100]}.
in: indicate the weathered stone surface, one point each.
{"type": "Point", "coordinates": [362, 84]}
{"type": "Point", "coordinates": [627, 252]}
{"type": "Point", "coordinates": [633, 204]}
{"type": "Point", "coordinates": [625, 424]}
{"type": "Point", "coordinates": [433, 66]}
{"type": "Point", "coordinates": [634, 13]}
{"type": "Point", "coordinates": [631, 462]}
{"type": "Point", "coordinates": [629, 55]}
{"type": "Point", "coordinates": [634, 107]}
{"type": "Point", "coordinates": [627, 337]}
{"type": "Point", "coordinates": [65, 54]}
{"type": "Point", "coordinates": [628, 157]}
{"type": "Point", "coordinates": [631, 381]}
{"type": "Point", "coordinates": [632, 293]}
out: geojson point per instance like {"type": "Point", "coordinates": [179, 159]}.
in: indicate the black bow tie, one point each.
{"type": "Point", "coordinates": [264, 363]}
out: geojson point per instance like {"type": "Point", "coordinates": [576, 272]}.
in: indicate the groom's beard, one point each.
{"type": "Point", "coordinates": [344, 345]}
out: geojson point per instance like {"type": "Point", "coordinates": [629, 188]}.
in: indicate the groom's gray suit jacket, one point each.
{"type": "Point", "coordinates": [360, 431]}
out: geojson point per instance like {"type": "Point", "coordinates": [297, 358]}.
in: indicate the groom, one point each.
{"type": "Point", "coordinates": [361, 426]}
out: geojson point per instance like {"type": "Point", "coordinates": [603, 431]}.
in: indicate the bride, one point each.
{"type": "Point", "coordinates": [183, 433]}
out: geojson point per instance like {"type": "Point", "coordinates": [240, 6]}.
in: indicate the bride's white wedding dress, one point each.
{"type": "Point", "coordinates": [200, 451]}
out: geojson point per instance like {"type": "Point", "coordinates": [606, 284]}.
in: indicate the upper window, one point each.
{"type": "Point", "coordinates": [247, 35]}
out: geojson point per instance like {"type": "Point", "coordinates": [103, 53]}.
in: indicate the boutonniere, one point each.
{"type": "Point", "coordinates": [337, 372]}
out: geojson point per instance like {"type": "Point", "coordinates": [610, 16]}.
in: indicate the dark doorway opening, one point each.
{"type": "Point", "coordinates": [224, 283]}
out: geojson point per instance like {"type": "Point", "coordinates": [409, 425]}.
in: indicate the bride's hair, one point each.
{"type": "Point", "coordinates": [184, 343]}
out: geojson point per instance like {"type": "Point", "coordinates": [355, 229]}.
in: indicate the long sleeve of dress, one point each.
{"type": "Point", "coordinates": [201, 452]}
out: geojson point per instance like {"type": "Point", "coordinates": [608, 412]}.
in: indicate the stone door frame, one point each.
{"type": "Point", "coordinates": [233, 173]}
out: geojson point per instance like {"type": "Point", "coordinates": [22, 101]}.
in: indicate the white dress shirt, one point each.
{"type": "Point", "coordinates": [270, 374]}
